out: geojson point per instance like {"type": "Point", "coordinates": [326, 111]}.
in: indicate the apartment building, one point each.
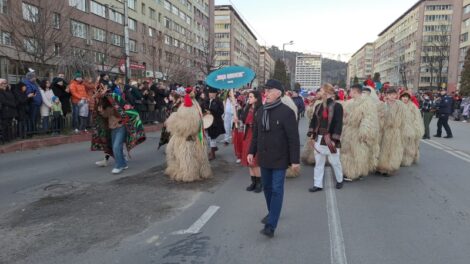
{"type": "Point", "coordinates": [360, 64]}
{"type": "Point", "coordinates": [464, 39]}
{"type": "Point", "coordinates": [167, 39]}
{"type": "Point", "coordinates": [235, 43]}
{"type": "Point", "coordinates": [308, 71]}
{"type": "Point", "coordinates": [420, 49]}
{"type": "Point", "coordinates": [266, 65]}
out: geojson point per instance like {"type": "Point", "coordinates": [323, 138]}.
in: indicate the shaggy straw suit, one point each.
{"type": "Point", "coordinates": [412, 134]}
{"type": "Point", "coordinates": [290, 103]}
{"type": "Point", "coordinates": [360, 137]}
{"type": "Point", "coordinates": [391, 148]}
{"type": "Point", "coordinates": [186, 153]}
{"type": "Point", "coordinates": [308, 153]}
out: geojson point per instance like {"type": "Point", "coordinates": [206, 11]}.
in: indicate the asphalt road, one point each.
{"type": "Point", "coordinates": [86, 215]}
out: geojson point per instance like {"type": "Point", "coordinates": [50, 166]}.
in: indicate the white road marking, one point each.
{"type": "Point", "coordinates": [455, 153]}
{"type": "Point", "coordinates": [338, 252]}
{"type": "Point", "coordinates": [196, 227]}
{"type": "Point", "coordinates": [152, 239]}
{"type": "Point", "coordinates": [440, 144]}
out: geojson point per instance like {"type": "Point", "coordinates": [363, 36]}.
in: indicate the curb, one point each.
{"type": "Point", "coordinates": [30, 144]}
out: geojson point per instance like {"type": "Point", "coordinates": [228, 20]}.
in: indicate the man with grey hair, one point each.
{"type": "Point", "coordinates": [36, 102]}
{"type": "Point", "coordinates": [276, 145]}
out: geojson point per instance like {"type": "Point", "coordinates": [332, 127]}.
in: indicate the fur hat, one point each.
{"type": "Point", "coordinates": [30, 75]}
{"type": "Point", "coordinates": [391, 90]}
{"type": "Point", "coordinates": [77, 75]}
{"type": "Point", "coordinates": [213, 90]}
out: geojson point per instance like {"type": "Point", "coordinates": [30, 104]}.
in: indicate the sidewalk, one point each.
{"type": "Point", "coordinates": [36, 143]}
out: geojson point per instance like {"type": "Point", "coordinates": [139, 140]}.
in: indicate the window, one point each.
{"type": "Point", "coordinates": [30, 13]}
{"type": "Point", "coordinates": [132, 45]}
{"type": "Point", "coordinates": [116, 40]}
{"type": "Point", "coordinates": [30, 45]}
{"type": "Point", "coordinates": [143, 9]}
{"type": "Point", "coordinates": [56, 20]}
{"type": "Point", "coordinates": [438, 7]}
{"type": "Point", "coordinates": [174, 10]}
{"type": "Point", "coordinates": [78, 4]}
{"type": "Point", "coordinates": [153, 14]}
{"type": "Point", "coordinates": [131, 4]}
{"type": "Point", "coordinates": [3, 7]}
{"type": "Point", "coordinates": [151, 32]}
{"type": "Point", "coordinates": [466, 9]}
{"type": "Point", "coordinates": [437, 18]}
{"type": "Point", "coordinates": [57, 49]}
{"type": "Point", "coordinates": [100, 57]}
{"type": "Point", "coordinates": [167, 22]}
{"type": "Point", "coordinates": [167, 40]}
{"type": "Point", "coordinates": [116, 16]}
{"type": "Point", "coordinates": [132, 24]}
{"type": "Point", "coordinates": [78, 29]}
{"type": "Point", "coordinates": [167, 5]}
{"type": "Point", "coordinates": [222, 17]}
{"type": "Point", "coordinates": [99, 34]}
{"type": "Point", "coordinates": [97, 9]}
{"type": "Point", "coordinates": [5, 38]}
{"type": "Point", "coordinates": [464, 37]}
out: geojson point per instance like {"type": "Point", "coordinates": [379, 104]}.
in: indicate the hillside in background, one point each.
{"type": "Point", "coordinates": [333, 71]}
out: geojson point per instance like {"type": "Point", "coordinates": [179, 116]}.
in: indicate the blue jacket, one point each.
{"type": "Point", "coordinates": [446, 105]}
{"type": "Point", "coordinates": [33, 88]}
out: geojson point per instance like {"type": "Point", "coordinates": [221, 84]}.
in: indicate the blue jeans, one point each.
{"type": "Point", "coordinates": [45, 124]}
{"type": "Point", "coordinates": [118, 136]}
{"type": "Point", "coordinates": [33, 128]}
{"type": "Point", "coordinates": [273, 186]}
{"type": "Point", "coordinates": [75, 111]}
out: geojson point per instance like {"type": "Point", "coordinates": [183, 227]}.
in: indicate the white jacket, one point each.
{"type": "Point", "coordinates": [46, 102]}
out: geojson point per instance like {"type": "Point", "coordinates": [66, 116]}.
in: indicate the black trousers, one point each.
{"type": "Point", "coordinates": [443, 122]}
{"type": "Point", "coordinates": [7, 129]}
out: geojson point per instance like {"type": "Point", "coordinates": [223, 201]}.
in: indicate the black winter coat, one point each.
{"type": "Point", "coordinates": [279, 147]}
{"type": "Point", "coordinates": [64, 97]}
{"type": "Point", "coordinates": [446, 105]}
{"type": "Point", "coordinates": [217, 110]}
{"type": "Point", "coordinates": [22, 104]}
{"type": "Point", "coordinates": [8, 104]}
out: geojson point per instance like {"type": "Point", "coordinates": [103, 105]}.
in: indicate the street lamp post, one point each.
{"type": "Point", "coordinates": [126, 41]}
{"type": "Point", "coordinates": [284, 51]}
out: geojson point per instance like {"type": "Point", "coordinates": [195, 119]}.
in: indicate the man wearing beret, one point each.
{"type": "Point", "coordinates": [276, 145]}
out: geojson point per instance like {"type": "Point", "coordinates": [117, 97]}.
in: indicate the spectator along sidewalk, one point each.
{"type": "Point", "coordinates": [35, 143]}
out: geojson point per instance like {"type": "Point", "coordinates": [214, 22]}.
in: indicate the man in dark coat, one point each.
{"type": "Point", "coordinates": [36, 102]}
{"type": "Point", "coordinates": [324, 135]}
{"type": "Point", "coordinates": [276, 145]}
{"type": "Point", "coordinates": [7, 110]}
{"type": "Point", "coordinates": [445, 109]}
{"type": "Point", "coordinates": [299, 102]}
{"type": "Point", "coordinates": [216, 108]}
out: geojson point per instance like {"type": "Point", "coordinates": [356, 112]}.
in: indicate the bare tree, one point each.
{"type": "Point", "coordinates": [436, 49]}
{"type": "Point", "coordinates": [39, 31]}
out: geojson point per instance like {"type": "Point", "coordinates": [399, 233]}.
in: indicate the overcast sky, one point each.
{"type": "Point", "coordinates": [326, 26]}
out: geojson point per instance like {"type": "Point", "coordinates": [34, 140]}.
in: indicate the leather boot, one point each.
{"type": "Point", "coordinates": [252, 186]}
{"type": "Point", "coordinates": [259, 186]}
{"type": "Point", "coordinates": [212, 154]}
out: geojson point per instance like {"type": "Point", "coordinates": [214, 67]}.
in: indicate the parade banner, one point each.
{"type": "Point", "coordinates": [230, 77]}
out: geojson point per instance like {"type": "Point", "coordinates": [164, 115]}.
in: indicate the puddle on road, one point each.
{"type": "Point", "coordinates": [74, 217]}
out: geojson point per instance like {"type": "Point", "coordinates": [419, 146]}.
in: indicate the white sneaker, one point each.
{"type": "Point", "coordinates": [117, 170]}
{"type": "Point", "coordinates": [76, 131]}
{"type": "Point", "coordinates": [102, 163]}
{"type": "Point", "coordinates": [238, 161]}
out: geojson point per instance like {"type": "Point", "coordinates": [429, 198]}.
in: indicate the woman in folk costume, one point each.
{"type": "Point", "coordinates": [215, 107]}
{"type": "Point", "coordinates": [186, 154]}
{"type": "Point", "coordinates": [391, 148]}
{"type": "Point", "coordinates": [287, 100]}
{"type": "Point", "coordinates": [116, 122]}
{"type": "Point", "coordinates": [360, 135]}
{"type": "Point", "coordinates": [238, 131]}
{"type": "Point", "coordinates": [413, 132]}
{"type": "Point", "coordinates": [249, 117]}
